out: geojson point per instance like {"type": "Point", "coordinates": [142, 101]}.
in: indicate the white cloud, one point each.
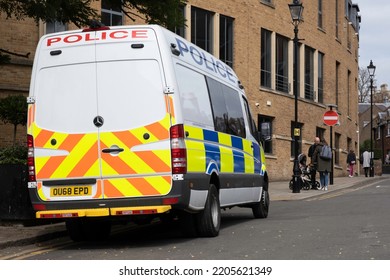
{"type": "Point", "coordinates": [375, 37]}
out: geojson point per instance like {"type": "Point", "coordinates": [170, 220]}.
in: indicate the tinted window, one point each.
{"type": "Point", "coordinates": [236, 124]}
{"type": "Point", "coordinates": [194, 97]}
{"type": "Point", "coordinates": [227, 110]}
{"type": "Point", "coordinates": [218, 105]}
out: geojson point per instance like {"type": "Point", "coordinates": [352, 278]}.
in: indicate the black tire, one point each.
{"type": "Point", "coordinates": [97, 230]}
{"type": "Point", "coordinates": [187, 224]}
{"type": "Point", "coordinates": [208, 221]}
{"type": "Point", "coordinates": [317, 185]}
{"type": "Point", "coordinates": [75, 230]}
{"type": "Point", "coordinates": [306, 185]}
{"type": "Point", "coordinates": [260, 209]}
{"type": "Point", "coordinates": [88, 230]}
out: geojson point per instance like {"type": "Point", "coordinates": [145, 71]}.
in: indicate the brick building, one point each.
{"type": "Point", "coordinates": [254, 37]}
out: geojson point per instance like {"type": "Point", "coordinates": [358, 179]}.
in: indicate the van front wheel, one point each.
{"type": "Point", "coordinates": [260, 209]}
{"type": "Point", "coordinates": [209, 220]}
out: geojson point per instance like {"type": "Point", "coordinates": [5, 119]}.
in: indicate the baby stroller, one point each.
{"type": "Point", "coordinates": [305, 170]}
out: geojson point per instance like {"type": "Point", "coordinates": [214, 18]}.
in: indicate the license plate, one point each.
{"type": "Point", "coordinates": [71, 191]}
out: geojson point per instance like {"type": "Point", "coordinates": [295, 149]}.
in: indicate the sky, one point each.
{"type": "Point", "coordinates": [374, 38]}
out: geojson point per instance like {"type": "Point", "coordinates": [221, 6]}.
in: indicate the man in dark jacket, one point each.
{"type": "Point", "coordinates": [313, 169]}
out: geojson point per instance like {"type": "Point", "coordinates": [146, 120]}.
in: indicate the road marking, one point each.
{"type": "Point", "coordinates": [335, 193]}
{"type": "Point", "coordinates": [34, 251]}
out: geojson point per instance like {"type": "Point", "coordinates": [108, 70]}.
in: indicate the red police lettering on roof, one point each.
{"type": "Point", "coordinates": [331, 118]}
{"type": "Point", "coordinates": [98, 36]}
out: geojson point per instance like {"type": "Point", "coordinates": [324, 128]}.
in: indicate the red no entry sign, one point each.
{"type": "Point", "coordinates": [331, 118]}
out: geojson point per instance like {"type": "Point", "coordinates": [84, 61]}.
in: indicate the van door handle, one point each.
{"type": "Point", "coordinates": [113, 150]}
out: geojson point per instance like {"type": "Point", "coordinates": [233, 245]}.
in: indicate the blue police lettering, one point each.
{"type": "Point", "coordinates": [196, 57]}
{"type": "Point", "coordinates": [203, 59]}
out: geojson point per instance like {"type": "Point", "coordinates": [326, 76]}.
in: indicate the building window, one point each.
{"type": "Point", "coordinates": [320, 14]}
{"type": "Point", "coordinates": [180, 30]}
{"type": "Point", "coordinates": [337, 137]}
{"type": "Point", "coordinates": [55, 26]}
{"type": "Point", "coordinates": [266, 121]}
{"type": "Point", "coordinates": [337, 19]}
{"type": "Point", "coordinates": [202, 28]}
{"type": "Point", "coordinates": [337, 82]}
{"type": "Point", "coordinates": [348, 92]}
{"type": "Point", "coordinates": [320, 77]}
{"type": "Point", "coordinates": [226, 40]}
{"type": "Point", "coordinates": [112, 13]}
{"type": "Point", "coordinates": [282, 63]}
{"type": "Point", "coordinates": [309, 73]}
{"type": "Point", "coordinates": [320, 132]}
{"type": "Point", "coordinates": [379, 133]}
{"type": "Point", "coordinates": [299, 125]}
{"type": "Point", "coordinates": [348, 8]}
{"type": "Point", "coordinates": [349, 144]}
{"type": "Point", "coordinates": [266, 58]}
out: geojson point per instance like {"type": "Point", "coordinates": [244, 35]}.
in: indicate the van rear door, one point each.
{"type": "Point", "coordinates": [134, 138]}
{"type": "Point", "coordinates": [101, 117]}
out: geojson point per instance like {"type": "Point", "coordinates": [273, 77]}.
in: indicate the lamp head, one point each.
{"type": "Point", "coordinates": [371, 69]}
{"type": "Point", "coordinates": [296, 10]}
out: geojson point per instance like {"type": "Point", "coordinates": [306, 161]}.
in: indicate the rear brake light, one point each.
{"type": "Point", "coordinates": [178, 150]}
{"type": "Point", "coordinates": [39, 207]}
{"type": "Point", "coordinates": [30, 159]}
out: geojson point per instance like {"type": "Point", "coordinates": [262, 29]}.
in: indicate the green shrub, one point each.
{"type": "Point", "coordinates": [13, 155]}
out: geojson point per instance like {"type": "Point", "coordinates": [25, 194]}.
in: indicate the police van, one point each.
{"type": "Point", "coordinates": [136, 123]}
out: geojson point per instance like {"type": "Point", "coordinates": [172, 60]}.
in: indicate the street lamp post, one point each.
{"type": "Point", "coordinates": [371, 70]}
{"type": "Point", "coordinates": [296, 10]}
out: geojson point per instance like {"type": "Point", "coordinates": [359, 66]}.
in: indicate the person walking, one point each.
{"type": "Point", "coordinates": [351, 161]}
{"type": "Point", "coordinates": [366, 162]}
{"type": "Point", "coordinates": [323, 165]}
{"type": "Point", "coordinates": [313, 166]}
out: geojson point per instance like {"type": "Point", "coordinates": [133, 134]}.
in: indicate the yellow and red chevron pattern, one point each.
{"type": "Point", "coordinates": [68, 156]}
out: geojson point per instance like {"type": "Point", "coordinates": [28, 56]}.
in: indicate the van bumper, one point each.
{"type": "Point", "coordinates": [189, 194]}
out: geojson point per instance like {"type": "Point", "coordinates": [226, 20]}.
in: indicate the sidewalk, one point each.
{"type": "Point", "coordinates": [14, 233]}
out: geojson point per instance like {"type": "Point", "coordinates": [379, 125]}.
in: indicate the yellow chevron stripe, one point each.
{"type": "Point", "coordinates": [125, 187]}
{"type": "Point", "coordinates": [74, 158]}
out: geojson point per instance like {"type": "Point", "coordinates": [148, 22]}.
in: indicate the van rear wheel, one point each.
{"type": "Point", "coordinates": [88, 229]}
{"type": "Point", "coordinates": [209, 220]}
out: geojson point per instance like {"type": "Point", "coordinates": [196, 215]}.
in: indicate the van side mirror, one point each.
{"type": "Point", "coordinates": [265, 131]}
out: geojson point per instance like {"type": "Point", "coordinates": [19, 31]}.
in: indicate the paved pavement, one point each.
{"type": "Point", "coordinates": [13, 233]}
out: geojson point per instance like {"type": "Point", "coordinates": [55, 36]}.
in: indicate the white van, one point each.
{"type": "Point", "coordinates": [135, 122]}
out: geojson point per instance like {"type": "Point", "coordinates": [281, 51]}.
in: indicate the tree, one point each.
{"type": "Point", "coordinates": [166, 13]}
{"type": "Point", "coordinates": [76, 11]}
{"type": "Point", "coordinates": [80, 12]}
{"type": "Point", "coordinates": [13, 110]}
{"type": "Point", "coordinates": [364, 85]}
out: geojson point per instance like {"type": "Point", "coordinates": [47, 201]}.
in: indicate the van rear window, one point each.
{"type": "Point", "coordinates": [127, 94]}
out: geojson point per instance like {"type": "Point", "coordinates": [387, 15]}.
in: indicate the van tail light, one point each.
{"type": "Point", "coordinates": [178, 150]}
{"type": "Point", "coordinates": [30, 159]}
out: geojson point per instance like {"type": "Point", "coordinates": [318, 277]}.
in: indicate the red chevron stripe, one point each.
{"type": "Point", "coordinates": [155, 162]}
{"type": "Point", "coordinates": [42, 138]}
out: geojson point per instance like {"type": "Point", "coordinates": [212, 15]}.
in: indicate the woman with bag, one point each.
{"type": "Point", "coordinates": [323, 164]}
{"type": "Point", "coordinates": [351, 161]}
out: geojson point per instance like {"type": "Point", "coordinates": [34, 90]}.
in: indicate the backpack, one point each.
{"type": "Point", "coordinates": [326, 153]}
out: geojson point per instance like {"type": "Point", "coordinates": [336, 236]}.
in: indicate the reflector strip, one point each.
{"type": "Point", "coordinates": [73, 213]}
{"type": "Point", "coordinates": [142, 210]}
